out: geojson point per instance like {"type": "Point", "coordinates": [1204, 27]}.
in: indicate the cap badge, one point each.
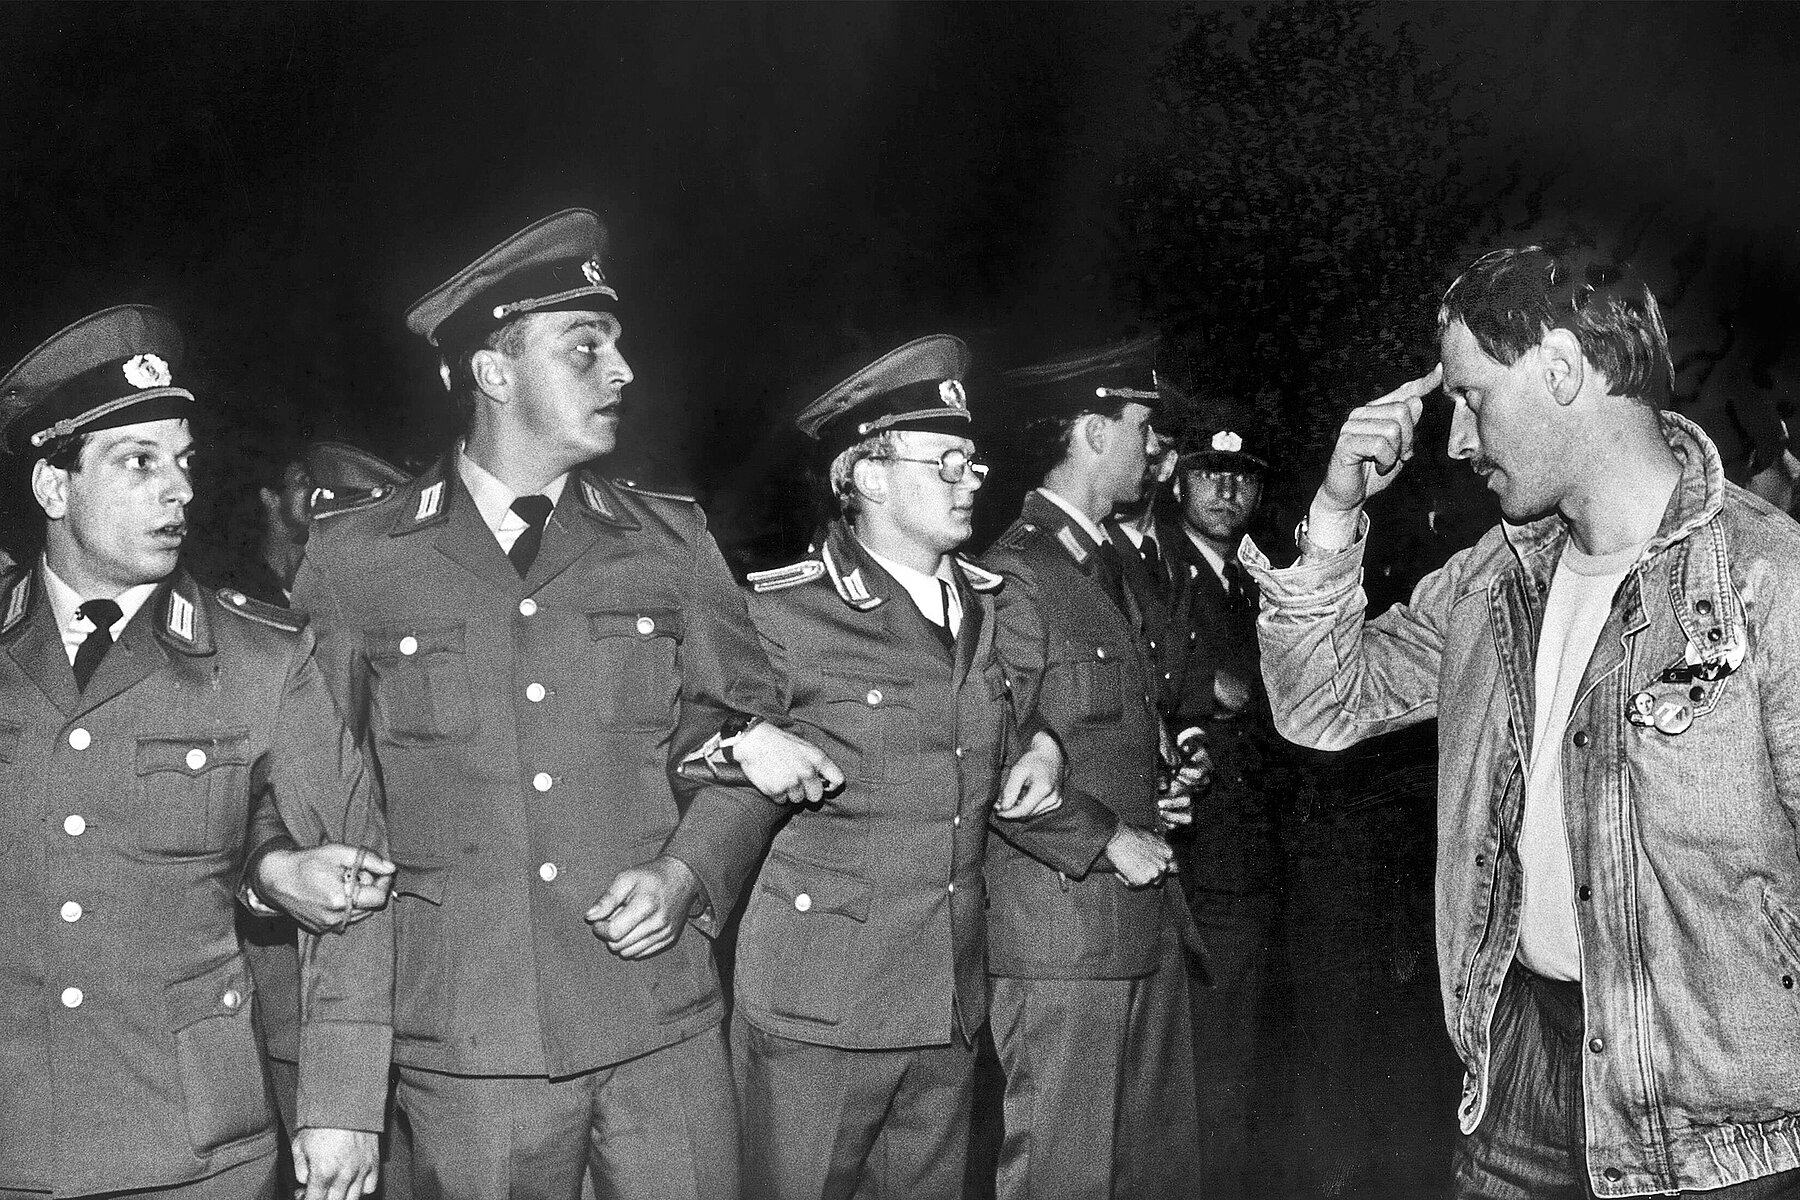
{"type": "Point", "coordinates": [1227, 442]}
{"type": "Point", "coordinates": [950, 391]}
{"type": "Point", "coordinates": [146, 371]}
{"type": "Point", "coordinates": [590, 270]}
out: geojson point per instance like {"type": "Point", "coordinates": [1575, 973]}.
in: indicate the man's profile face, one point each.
{"type": "Point", "coordinates": [1502, 425]}
{"type": "Point", "coordinates": [1125, 459]}
{"type": "Point", "coordinates": [934, 515]}
{"type": "Point", "coordinates": [120, 520]}
{"type": "Point", "coordinates": [1219, 503]}
{"type": "Point", "coordinates": [568, 382]}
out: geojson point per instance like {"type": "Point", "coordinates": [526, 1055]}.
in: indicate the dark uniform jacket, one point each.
{"type": "Point", "coordinates": [867, 926]}
{"type": "Point", "coordinates": [1078, 662]}
{"type": "Point", "coordinates": [1159, 603]}
{"type": "Point", "coordinates": [128, 1057]}
{"type": "Point", "coordinates": [525, 731]}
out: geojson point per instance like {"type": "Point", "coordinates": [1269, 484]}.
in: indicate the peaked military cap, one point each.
{"type": "Point", "coordinates": [340, 467]}
{"type": "Point", "coordinates": [550, 266]}
{"type": "Point", "coordinates": [1221, 450]}
{"type": "Point", "coordinates": [111, 368]}
{"type": "Point", "coordinates": [918, 386]}
{"type": "Point", "coordinates": [1090, 379]}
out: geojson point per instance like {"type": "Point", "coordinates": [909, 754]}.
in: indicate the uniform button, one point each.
{"type": "Point", "coordinates": [1703, 607]}
{"type": "Point", "coordinates": [1696, 693]}
{"type": "Point", "coordinates": [646, 626]}
{"type": "Point", "coordinates": [409, 645]}
{"type": "Point", "coordinates": [874, 697]}
{"type": "Point", "coordinates": [952, 889]}
{"type": "Point", "coordinates": [1597, 1045]}
{"type": "Point", "coordinates": [1586, 892]}
{"type": "Point", "coordinates": [231, 999]}
{"type": "Point", "coordinates": [956, 820]}
{"type": "Point", "coordinates": [1613, 1174]}
{"type": "Point", "coordinates": [80, 739]}
{"type": "Point", "coordinates": [1099, 651]}
{"type": "Point", "coordinates": [196, 758]}
{"type": "Point", "coordinates": [542, 781]}
{"type": "Point", "coordinates": [1581, 738]}
{"type": "Point", "coordinates": [1167, 675]}
{"type": "Point", "coordinates": [534, 692]}
{"type": "Point", "coordinates": [527, 607]}
{"type": "Point", "coordinates": [72, 997]}
{"type": "Point", "coordinates": [803, 903]}
{"type": "Point", "coordinates": [74, 824]}
{"type": "Point", "coordinates": [961, 750]}
{"type": "Point", "coordinates": [547, 872]}
{"type": "Point", "coordinates": [1153, 643]}
{"type": "Point", "coordinates": [71, 911]}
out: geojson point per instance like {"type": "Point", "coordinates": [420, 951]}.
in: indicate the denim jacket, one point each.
{"type": "Point", "coordinates": [1681, 766]}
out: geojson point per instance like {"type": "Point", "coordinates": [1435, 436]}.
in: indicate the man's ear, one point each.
{"type": "Point", "coordinates": [493, 374]}
{"type": "Point", "coordinates": [1091, 428]}
{"type": "Point", "coordinates": [50, 487]}
{"type": "Point", "coordinates": [870, 481]}
{"type": "Point", "coordinates": [1565, 370]}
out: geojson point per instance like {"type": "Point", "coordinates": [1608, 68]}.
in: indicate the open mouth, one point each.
{"type": "Point", "coordinates": [173, 532]}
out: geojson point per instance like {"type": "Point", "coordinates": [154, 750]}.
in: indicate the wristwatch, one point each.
{"type": "Point", "coordinates": [735, 727]}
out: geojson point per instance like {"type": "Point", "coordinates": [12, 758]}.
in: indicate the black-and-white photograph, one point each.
{"type": "Point", "coordinates": [900, 601]}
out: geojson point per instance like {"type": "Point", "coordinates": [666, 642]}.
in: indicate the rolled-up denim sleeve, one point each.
{"type": "Point", "coordinates": [1334, 677]}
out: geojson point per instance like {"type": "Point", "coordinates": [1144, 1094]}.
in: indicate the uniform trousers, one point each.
{"type": "Point", "coordinates": [826, 1123]}
{"type": "Point", "coordinates": [254, 1180]}
{"type": "Point", "coordinates": [1532, 1143]}
{"type": "Point", "coordinates": [1099, 1085]}
{"type": "Point", "coordinates": [662, 1126]}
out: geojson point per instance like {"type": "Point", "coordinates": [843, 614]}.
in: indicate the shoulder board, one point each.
{"type": "Point", "coordinates": [285, 619]}
{"type": "Point", "coordinates": [631, 485]}
{"type": "Point", "coordinates": [1022, 533]}
{"type": "Point", "coordinates": [329, 504]}
{"type": "Point", "coordinates": [980, 578]}
{"type": "Point", "coordinates": [777, 578]}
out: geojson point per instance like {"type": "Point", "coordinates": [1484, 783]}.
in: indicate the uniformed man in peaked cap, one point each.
{"type": "Point", "coordinates": [1090, 994]}
{"type": "Point", "coordinates": [861, 966]}
{"type": "Point", "coordinates": [532, 648]}
{"type": "Point", "coordinates": [144, 724]}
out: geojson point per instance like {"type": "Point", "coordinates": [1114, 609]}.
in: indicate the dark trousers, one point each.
{"type": "Point", "coordinates": [659, 1127]}
{"type": "Point", "coordinates": [823, 1123]}
{"type": "Point", "coordinates": [253, 1180]}
{"type": "Point", "coordinates": [1099, 1085]}
{"type": "Point", "coordinates": [1531, 1143]}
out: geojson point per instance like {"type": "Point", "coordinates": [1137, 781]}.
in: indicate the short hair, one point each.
{"type": "Point", "coordinates": [1509, 299]}
{"type": "Point", "coordinates": [841, 478]}
{"type": "Point", "coordinates": [459, 364]}
{"type": "Point", "coordinates": [64, 453]}
{"type": "Point", "coordinates": [1044, 441]}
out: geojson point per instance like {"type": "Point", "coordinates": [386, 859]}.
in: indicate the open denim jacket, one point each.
{"type": "Point", "coordinates": [1682, 768]}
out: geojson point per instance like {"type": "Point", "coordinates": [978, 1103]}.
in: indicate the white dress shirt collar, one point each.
{"type": "Point", "coordinates": [64, 600]}
{"type": "Point", "coordinates": [1088, 527]}
{"type": "Point", "coordinates": [494, 499]}
{"type": "Point", "coordinates": [924, 589]}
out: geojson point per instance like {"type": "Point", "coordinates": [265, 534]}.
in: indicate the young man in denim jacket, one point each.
{"type": "Point", "coordinates": [1616, 675]}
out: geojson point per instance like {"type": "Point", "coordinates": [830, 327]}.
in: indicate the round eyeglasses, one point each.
{"type": "Point", "coordinates": [951, 465]}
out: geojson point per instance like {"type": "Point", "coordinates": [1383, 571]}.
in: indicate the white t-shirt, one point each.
{"type": "Point", "coordinates": [1580, 599]}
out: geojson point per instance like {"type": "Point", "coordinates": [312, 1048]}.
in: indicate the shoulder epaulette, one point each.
{"type": "Point", "coordinates": [1018, 535]}
{"type": "Point", "coordinates": [285, 619]}
{"type": "Point", "coordinates": [329, 504]}
{"type": "Point", "coordinates": [980, 578]}
{"type": "Point", "coordinates": [631, 485]}
{"type": "Point", "coordinates": [792, 575]}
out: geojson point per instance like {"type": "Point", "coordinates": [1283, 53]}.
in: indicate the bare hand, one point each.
{"type": "Point", "coordinates": [644, 909]}
{"type": "Point", "coordinates": [783, 766]}
{"type": "Point", "coordinates": [1375, 441]}
{"type": "Point", "coordinates": [337, 1164]}
{"type": "Point", "coordinates": [315, 886]}
{"type": "Point", "coordinates": [1140, 858]}
{"type": "Point", "coordinates": [1031, 785]}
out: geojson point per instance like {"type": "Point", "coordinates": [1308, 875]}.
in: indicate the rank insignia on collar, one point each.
{"type": "Point", "coordinates": [181, 616]}
{"type": "Point", "coordinates": [1072, 544]}
{"type": "Point", "coordinates": [430, 501]}
{"type": "Point", "coordinates": [17, 602]}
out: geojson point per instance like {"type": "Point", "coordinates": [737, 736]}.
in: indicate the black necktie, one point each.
{"type": "Point", "coordinates": [1112, 575]}
{"type": "Point", "coordinates": [1237, 584]}
{"type": "Point", "coordinates": [945, 633]}
{"type": "Point", "coordinates": [534, 511]}
{"type": "Point", "coordinates": [88, 655]}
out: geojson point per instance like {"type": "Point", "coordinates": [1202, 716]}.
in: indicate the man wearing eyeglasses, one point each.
{"type": "Point", "coordinates": [1090, 1005]}
{"type": "Point", "coordinates": [861, 966]}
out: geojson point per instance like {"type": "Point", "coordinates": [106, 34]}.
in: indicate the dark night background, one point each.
{"type": "Point", "coordinates": [1283, 191]}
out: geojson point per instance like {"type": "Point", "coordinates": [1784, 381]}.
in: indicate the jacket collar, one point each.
{"type": "Point", "coordinates": [426, 502]}
{"type": "Point", "coordinates": [861, 585]}
{"type": "Point", "coordinates": [1063, 529]}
